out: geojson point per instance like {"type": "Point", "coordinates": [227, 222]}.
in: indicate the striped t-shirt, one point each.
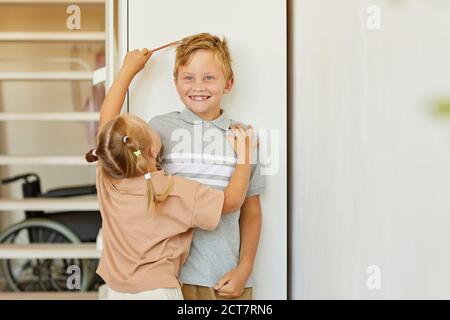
{"type": "Point", "coordinates": [198, 150]}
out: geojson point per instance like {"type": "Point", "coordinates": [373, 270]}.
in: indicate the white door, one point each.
{"type": "Point", "coordinates": [256, 31]}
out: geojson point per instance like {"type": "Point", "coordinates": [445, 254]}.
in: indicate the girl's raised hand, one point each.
{"type": "Point", "coordinates": [135, 60]}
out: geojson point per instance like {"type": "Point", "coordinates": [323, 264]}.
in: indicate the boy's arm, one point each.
{"type": "Point", "coordinates": [232, 284]}
{"type": "Point", "coordinates": [133, 63]}
{"type": "Point", "coordinates": [250, 230]}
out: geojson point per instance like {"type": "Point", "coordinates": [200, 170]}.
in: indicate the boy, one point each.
{"type": "Point", "coordinates": [220, 263]}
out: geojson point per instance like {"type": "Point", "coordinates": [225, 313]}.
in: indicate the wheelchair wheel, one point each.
{"type": "Point", "coordinates": [41, 274]}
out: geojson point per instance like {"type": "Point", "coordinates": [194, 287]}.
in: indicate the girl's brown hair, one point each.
{"type": "Point", "coordinates": [122, 158]}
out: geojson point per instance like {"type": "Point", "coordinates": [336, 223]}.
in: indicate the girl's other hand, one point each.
{"type": "Point", "coordinates": [135, 60]}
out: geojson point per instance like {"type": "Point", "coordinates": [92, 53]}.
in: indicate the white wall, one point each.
{"type": "Point", "coordinates": [370, 160]}
{"type": "Point", "coordinates": [256, 33]}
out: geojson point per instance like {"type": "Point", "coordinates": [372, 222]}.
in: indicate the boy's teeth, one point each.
{"type": "Point", "coordinates": [199, 98]}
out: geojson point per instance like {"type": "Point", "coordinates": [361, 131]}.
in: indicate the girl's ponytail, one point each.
{"type": "Point", "coordinates": [155, 199]}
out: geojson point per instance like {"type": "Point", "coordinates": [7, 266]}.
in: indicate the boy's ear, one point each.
{"type": "Point", "coordinates": [228, 86]}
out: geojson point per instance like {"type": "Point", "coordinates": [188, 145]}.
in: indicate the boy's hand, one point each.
{"type": "Point", "coordinates": [243, 143]}
{"type": "Point", "coordinates": [135, 60]}
{"type": "Point", "coordinates": [232, 284]}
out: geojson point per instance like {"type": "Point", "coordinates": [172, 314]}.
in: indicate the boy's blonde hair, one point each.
{"type": "Point", "coordinates": [203, 41]}
{"type": "Point", "coordinates": [121, 157]}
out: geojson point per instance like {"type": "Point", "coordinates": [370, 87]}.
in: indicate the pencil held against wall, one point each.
{"type": "Point", "coordinates": [145, 50]}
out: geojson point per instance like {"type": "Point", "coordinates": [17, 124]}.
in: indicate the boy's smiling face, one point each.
{"type": "Point", "coordinates": [201, 84]}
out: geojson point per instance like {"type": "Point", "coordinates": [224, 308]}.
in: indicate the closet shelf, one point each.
{"type": "Point", "coordinates": [6, 160]}
{"type": "Point", "coordinates": [50, 116]}
{"type": "Point", "coordinates": [49, 251]}
{"type": "Point", "coordinates": [53, 36]}
{"type": "Point", "coordinates": [45, 75]}
{"type": "Point", "coordinates": [61, 295]}
{"type": "Point", "coordinates": [52, 1]}
{"type": "Point", "coordinates": [44, 204]}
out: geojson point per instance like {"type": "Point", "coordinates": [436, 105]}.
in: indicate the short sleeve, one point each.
{"type": "Point", "coordinates": [207, 209]}
{"type": "Point", "coordinates": [257, 183]}
{"type": "Point", "coordinates": [163, 124]}
{"type": "Point", "coordinates": [155, 124]}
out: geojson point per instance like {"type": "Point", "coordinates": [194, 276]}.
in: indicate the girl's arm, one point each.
{"type": "Point", "coordinates": [236, 190]}
{"type": "Point", "coordinates": [133, 63]}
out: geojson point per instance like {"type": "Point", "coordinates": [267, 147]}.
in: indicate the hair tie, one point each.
{"type": "Point", "coordinates": [147, 176]}
{"type": "Point", "coordinates": [125, 139]}
{"type": "Point", "coordinates": [94, 152]}
{"type": "Point", "coordinates": [137, 153]}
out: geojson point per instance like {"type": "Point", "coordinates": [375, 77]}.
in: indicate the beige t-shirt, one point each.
{"type": "Point", "coordinates": [144, 250]}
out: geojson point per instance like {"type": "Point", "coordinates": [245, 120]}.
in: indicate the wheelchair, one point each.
{"type": "Point", "coordinates": [24, 275]}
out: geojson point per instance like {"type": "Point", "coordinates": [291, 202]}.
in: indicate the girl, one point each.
{"type": "Point", "coordinates": [147, 216]}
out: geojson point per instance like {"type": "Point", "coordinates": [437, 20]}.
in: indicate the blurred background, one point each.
{"type": "Point", "coordinates": [55, 57]}
{"type": "Point", "coordinates": [22, 59]}
{"type": "Point", "coordinates": [370, 138]}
